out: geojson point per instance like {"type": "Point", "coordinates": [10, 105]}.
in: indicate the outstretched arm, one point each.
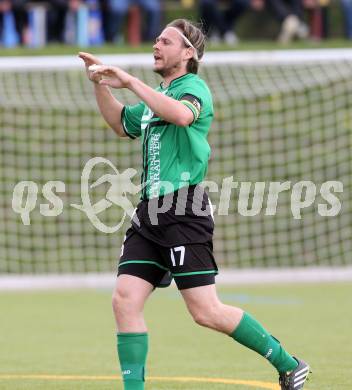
{"type": "Point", "coordinates": [169, 109]}
{"type": "Point", "coordinates": [109, 106]}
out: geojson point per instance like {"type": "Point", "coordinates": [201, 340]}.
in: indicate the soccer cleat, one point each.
{"type": "Point", "coordinates": [294, 380]}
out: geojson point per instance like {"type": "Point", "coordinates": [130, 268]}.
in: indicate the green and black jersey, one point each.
{"type": "Point", "coordinates": [170, 150]}
{"type": "Point", "coordinates": [174, 159]}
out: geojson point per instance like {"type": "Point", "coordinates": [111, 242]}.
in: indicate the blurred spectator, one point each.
{"type": "Point", "coordinates": [220, 23]}
{"type": "Point", "coordinates": [212, 19]}
{"type": "Point", "coordinates": [220, 17]}
{"type": "Point", "coordinates": [116, 12]}
{"type": "Point", "coordinates": [347, 13]}
{"type": "Point", "coordinates": [318, 17]}
{"type": "Point", "coordinates": [290, 14]}
{"type": "Point", "coordinates": [83, 23]}
{"type": "Point", "coordinates": [18, 9]}
{"type": "Point", "coordinates": [57, 17]}
{"type": "Point", "coordinates": [65, 19]}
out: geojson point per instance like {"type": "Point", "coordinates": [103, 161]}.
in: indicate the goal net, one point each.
{"type": "Point", "coordinates": [283, 120]}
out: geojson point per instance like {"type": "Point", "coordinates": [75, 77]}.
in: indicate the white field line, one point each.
{"type": "Point", "coordinates": [226, 277]}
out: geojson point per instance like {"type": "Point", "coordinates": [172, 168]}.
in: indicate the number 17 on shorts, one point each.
{"type": "Point", "coordinates": [180, 251]}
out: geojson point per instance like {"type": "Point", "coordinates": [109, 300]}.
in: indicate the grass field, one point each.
{"type": "Point", "coordinates": [68, 337]}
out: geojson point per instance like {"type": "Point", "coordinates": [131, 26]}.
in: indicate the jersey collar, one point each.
{"type": "Point", "coordinates": [177, 80]}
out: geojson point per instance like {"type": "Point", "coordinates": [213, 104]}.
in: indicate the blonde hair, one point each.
{"type": "Point", "coordinates": [195, 35]}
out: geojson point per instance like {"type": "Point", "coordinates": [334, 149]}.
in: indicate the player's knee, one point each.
{"type": "Point", "coordinates": [122, 301]}
{"type": "Point", "coordinates": [115, 301]}
{"type": "Point", "coordinates": [205, 316]}
{"type": "Point", "coordinates": [200, 319]}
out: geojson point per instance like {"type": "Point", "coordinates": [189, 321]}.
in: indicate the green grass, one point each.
{"type": "Point", "coordinates": [72, 333]}
{"type": "Point", "coordinates": [147, 47]}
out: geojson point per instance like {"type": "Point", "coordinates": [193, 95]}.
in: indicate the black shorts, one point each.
{"type": "Point", "coordinates": [191, 265]}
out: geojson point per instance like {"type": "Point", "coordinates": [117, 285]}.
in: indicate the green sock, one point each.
{"type": "Point", "coordinates": [132, 350]}
{"type": "Point", "coordinates": [251, 334]}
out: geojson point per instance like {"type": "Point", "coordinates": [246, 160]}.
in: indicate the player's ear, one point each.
{"type": "Point", "coordinates": [189, 53]}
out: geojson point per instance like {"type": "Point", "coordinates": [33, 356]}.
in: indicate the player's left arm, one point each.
{"type": "Point", "coordinates": [167, 108]}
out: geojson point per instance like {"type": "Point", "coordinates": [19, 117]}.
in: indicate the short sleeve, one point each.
{"type": "Point", "coordinates": [131, 117]}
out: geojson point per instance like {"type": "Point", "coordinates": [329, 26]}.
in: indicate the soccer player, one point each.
{"type": "Point", "coordinates": [173, 121]}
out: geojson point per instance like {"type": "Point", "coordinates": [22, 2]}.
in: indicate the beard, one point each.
{"type": "Point", "coordinates": [167, 70]}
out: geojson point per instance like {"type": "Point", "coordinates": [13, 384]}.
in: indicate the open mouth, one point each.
{"type": "Point", "coordinates": [157, 57]}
